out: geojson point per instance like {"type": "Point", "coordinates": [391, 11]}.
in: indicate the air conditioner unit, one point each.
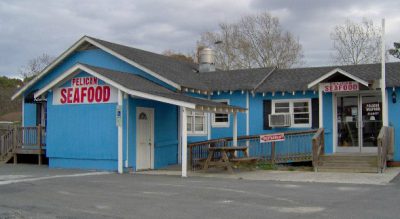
{"type": "Point", "coordinates": [280, 120]}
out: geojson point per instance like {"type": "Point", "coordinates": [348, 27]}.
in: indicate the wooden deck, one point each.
{"type": "Point", "coordinates": [22, 141]}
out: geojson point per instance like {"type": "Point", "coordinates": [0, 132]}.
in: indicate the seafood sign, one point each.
{"type": "Point", "coordinates": [272, 137]}
{"type": "Point", "coordinates": [85, 90]}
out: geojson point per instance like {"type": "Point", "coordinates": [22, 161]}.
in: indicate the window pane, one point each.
{"type": "Point", "coordinates": [302, 118]}
{"type": "Point", "coordinates": [199, 114]}
{"type": "Point", "coordinates": [300, 104]}
{"type": "Point", "coordinates": [284, 104]}
{"type": "Point", "coordinates": [282, 110]}
{"type": "Point", "coordinates": [221, 119]}
{"type": "Point", "coordinates": [199, 127]}
{"type": "Point", "coordinates": [199, 120]}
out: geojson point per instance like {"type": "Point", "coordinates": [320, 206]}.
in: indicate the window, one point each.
{"type": "Point", "coordinates": [221, 119]}
{"type": "Point", "coordinates": [299, 109]}
{"type": "Point", "coordinates": [196, 123]}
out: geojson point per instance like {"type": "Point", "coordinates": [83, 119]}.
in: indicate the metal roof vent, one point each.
{"type": "Point", "coordinates": [206, 60]}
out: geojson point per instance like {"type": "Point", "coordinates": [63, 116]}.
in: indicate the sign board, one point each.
{"type": "Point", "coordinates": [118, 116]}
{"type": "Point", "coordinates": [340, 86]}
{"type": "Point", "coordinates": [84, 90]}
{"type": "Point", "coordinates": [272, 137]}
{"type": "Point", "coordinates": [372, 109]}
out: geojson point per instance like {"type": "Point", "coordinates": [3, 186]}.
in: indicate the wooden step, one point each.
{"type": "Point", "coordinates": [348, 169]}
{"type": "Point", "coordinates": [356, 163]}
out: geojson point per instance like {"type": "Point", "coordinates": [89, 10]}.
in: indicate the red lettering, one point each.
{"type": "Point", "coordinates": [63, 97]}
{"type": "Point", "coordinates": [90, 94]}
{"type": "Point", "coordinates": [69, 95]}
{"type": "Point", "coordinates": [106, 93]}
{"type": "Point", "coordinates": [83, 94]}
{"type": "Point", "coordinates": [76, 95]}
{"type": "Point", "coordinates": [98, 94]}
{"type": "Point", "coordinates": [95, 81]}
{"type": "Point", "coordinates": [73, 81]}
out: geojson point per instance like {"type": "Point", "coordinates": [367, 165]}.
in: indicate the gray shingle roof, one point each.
{"type": "Point", "coordinates": [186, 75]}
{"type": "Point", "coordinates": [182, 73]}
{"type": "Point", "coordinates": [297, 79]}
{"type": "Point", "coordinates": [138, 83]}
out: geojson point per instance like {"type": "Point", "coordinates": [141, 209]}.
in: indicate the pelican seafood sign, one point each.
{"type": "Point", "coordinates": [85, 90]}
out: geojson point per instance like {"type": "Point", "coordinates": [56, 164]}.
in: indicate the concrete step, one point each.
{"type": "Point", "coordinates": [348, 169]}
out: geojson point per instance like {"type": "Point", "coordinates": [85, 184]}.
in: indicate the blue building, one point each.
{"type": "Point", "coordinates": [108, 106]}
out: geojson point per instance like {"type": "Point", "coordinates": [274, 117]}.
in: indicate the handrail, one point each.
{"type": "Point", "coordinates": [384, 139]}
{"type": "Point", "coordinates": [318, 145]}
{"type": "Point", "coordinates": [198, 151]}
{"type": "Point", "coordinates": [247, 137]}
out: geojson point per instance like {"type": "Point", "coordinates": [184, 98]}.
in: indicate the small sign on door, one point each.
{"type": "Point", "coordinates": [272, 137]}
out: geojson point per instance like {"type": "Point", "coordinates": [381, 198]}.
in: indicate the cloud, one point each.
{"type": "Point", "coordinates": [29, 28]}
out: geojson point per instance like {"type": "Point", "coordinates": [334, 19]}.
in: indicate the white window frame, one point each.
{"type": "Point", "coordinates": [291, 111]}
{"type": "Point", "coordinates": [205, 124]}
{"type": "Point", "coordinates": [215, 124]}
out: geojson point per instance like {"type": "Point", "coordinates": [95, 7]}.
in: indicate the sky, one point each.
{"type": "Point", "coordinates": [29, 28]}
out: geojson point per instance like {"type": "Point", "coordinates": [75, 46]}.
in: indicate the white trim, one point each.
{"type": "Point", "coordinates": [247, 114]}
{"type": "Point", "coordinates": [334, 71]}
{"type": "Point", "coordinates": [152, 73]}
{"type": "Point", "coordinates": [51, 66]}
{"type": "Point", "coordinates": [120, 155]}
{"type": "Point", "coordinates": [334, 119]}
{"type": "Point", "coordinates": [127, 132]}
{"type": "Point", "coordinates": [385, 115]}
{"type": "Point", "coordinates": [23, 111]}
{"type": "Point", "coordinates": [112, 83]}
{"type": "Point", "coordinates": [209, 122]}
{"type": "Point", "coordinates": [183, 141]}
{"type": "Point", "coordinates": [152, 148]}
{"type": "Point", "coordinates": [193, 132]}
{"type": "Point", "coordinates": [235, 129]}
{"type": "Point", "coordinates": [320, 107]}
{"type": "Point", "coordinates": [291, 101]}
{"type": "Point", "coordinates": [221, 124]}
{"type": "Point", "coordinates": [179, 136]}
{"type": "Point", "coordinates": [76, 45]}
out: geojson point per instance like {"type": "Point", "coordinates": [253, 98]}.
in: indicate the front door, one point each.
{"type": "Point", "coordinates": [144, 138]}
{"type": "Point", "coordinates": [359, 120]}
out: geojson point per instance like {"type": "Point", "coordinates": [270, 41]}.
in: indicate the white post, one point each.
{"type": "Point", "coordinates": [234, 129]}
{"type": "Point", "coordinates": [120, 158]}
{"type": "Point", "coordinates": [184, 141]}
{"type": "Point", "coordinates": [209, 123]}
{"type": "Point", "coordinates": [320, 106]}
{"type": "Point", "coordinates": [247, 114]}
{"type": "Point", "coordinates": [180, 136]}
{"type": "Point", "coordinates": [385, 117]}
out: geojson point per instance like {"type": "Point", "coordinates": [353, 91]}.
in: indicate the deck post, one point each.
{"type": "Point", "coordinates": [234, 129]}
{"type": "Point", "coordinates": [273, 152]}
{"type": "Point", "coordinates": [184, 140]}
{"type": "Point", "coordinates": [39, 142]}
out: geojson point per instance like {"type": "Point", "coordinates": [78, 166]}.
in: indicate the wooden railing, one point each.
{"type": "Point", "coordinates": [22, 138]}
{"type": "Point", "coordinates": [296, 147]}
{"type": "Point", "coordinates": [7, 144]}
{"type": "Point", "coordinates": [318, 147]}
{"type": "Point", "coordinates": [385, 139]}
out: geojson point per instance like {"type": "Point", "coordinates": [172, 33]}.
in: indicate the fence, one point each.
{"type": "Point", "coordinates": [296, 147]}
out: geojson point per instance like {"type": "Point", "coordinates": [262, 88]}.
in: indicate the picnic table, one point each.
{"type": "Point", "coordinates": [224, 160]}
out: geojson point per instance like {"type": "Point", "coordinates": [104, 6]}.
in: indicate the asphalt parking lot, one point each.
{"type": "Point", "coordinates": [38, 192]}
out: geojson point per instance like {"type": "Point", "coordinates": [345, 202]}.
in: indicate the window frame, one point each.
{"type": "Point", "coordinates": [193, 132]}
{"type": "Point", "coordinates": [215, 124]}
{"type": "Point", "coordinates": [291, 111]}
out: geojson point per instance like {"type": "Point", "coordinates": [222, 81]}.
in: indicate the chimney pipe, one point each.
{"type": "Point", "coordinates": [206, 60]}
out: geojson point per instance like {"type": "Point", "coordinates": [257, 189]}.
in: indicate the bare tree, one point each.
{"type": "Point", "coordinates": [34, 66]}
{"type": "Point", "coordinates": [356, 43]}
{"type": "Point", "coordinates": [395, 51]}
{"type": "Point", "coordinates": [178, 56]}
{"type": "Point", "coordinates": [255, 41]}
